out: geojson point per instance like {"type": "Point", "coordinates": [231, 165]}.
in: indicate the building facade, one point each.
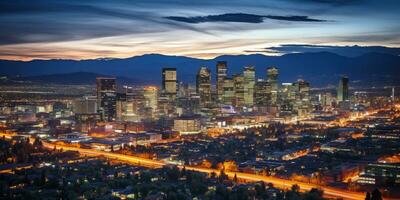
{"type": "Point", "coordinates": [343, 89]}
{"type": "Point", "coordinates": [249, 75]}
{"type": "Point", "coordinates": [106, 97]}
{"type": "Point", "coordinates": [203, 86]}
{"type": "Point", "coordinates": [222, 69]}
{"type": "Point", "coordinates": [169, 83]}
{"type": "Point", "coordinates": [272, 78]}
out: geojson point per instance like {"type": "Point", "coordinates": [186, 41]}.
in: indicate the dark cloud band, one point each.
{"type": "Point", "coordinates": [349, 51]}
{"type": "Point", "coordinates": [241, 17]}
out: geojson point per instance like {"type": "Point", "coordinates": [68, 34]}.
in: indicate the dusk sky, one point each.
{"type": "Point", "coordinates": [76, 29]}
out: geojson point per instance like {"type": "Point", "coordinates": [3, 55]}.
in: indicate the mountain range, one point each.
{"type": "Point", "coordinates": [319, 68]}
{"type": "Point", "coordinates": [74, 78]}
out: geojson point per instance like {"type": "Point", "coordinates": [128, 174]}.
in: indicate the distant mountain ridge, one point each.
{"type": "Point", "coordinates": [320, 68]}
{"type": "Point", "coordinates": [75, 78]}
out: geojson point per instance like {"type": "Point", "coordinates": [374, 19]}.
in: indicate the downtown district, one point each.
{"type": "Point", "coordinates": [346, 139]}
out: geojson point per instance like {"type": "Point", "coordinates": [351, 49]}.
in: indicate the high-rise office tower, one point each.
{"type": "Point", "coordinates": [326, 99]}
{"type": "Point", "coordinates": [302, 101]}
{"type": "Point", "coordinates": [303, 89]}
{"type": "Point", "coordinates": [169, 83]}
{"type": "Point", "coordinates": [130, 105]}
{"type": "Point", "coordinates": [203, 85]}
{"type": "Point", "coordinates": [261, 94]}
{"type": "Point", "coordinates": [189, 105]}
{"type": "Point", "coordinates": [106, 97]}
{"type": "Point", "coordinates": [287, 97]}
{"type": "Point", "coordinates": [238, 84]}
{"type": "Point", "coordinates": [272, 75]}
{"type": "Point", "coordinates": [343, 89]}
{"type": "Point", "coordinates": [120, 108]}
{"type": "Point", "coordinates": [272, 78]}
{"type": "Point", "coordinates": [286, 92]}
{"type": "Point", "coordinates": [228, 95]}
{"type": "Point", "coordinates": [104, 84]}
{"type": "Point", "coordinates": [183, 90]}
{"type": "Point", "coordinates": [303, 93]}
{"type": "Point", "coordinates": [150, 94]}
{"type": "Point", "coordinates": [222, 68]}
{"type": "Point", "coordinates": [249, 75]}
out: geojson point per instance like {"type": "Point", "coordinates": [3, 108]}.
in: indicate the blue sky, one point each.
{"type": "Point", "coordinates": [76, 29]}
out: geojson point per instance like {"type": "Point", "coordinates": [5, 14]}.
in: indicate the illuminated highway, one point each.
{"type": "Point", "coordinates": [277, 182]}
{"type": "Point", "coordinates": [11, 170]}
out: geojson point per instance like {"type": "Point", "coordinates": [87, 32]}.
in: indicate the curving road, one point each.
{"type": "Point", "coordinates": [277, 182]}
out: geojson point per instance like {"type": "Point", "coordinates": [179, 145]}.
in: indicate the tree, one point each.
{"type": "Point", "coordinates": [368, 196]}
{"type": "Point", "coordinates": [197, 185]}
{"type": "Point", "coordinates": [295, 188]}
{"type": "Point", "coordinates": [37, 143]}
{"type": "Point", "coordinates": [171, 195]}
{"type": "Point", "coordinates": [222, 176]}
{"type": "Point", "coordinates": [183, 171]}
{"type": "Point", "coordinates": [314, 194]}
{"type": "Point", "coordinates": [43, 178]}
{"type": "Point", "coordinates": [235, 179]}
{"type": "Point", "coordinates": [260, 189]}
{"type": "Point", "coordinates": [293, 194]}
{"type": "Point", "coordinates": [376, 195]}
{"type": "Point", "coordinates": [213, 175]}
{"type": "Point", "coordinates": [173, 173]}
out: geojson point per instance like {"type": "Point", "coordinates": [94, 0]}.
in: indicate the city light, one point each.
{"type": "Point", "coordinates": [235, 100]}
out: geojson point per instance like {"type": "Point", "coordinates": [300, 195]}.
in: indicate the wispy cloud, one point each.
{"type": "Point", "coordinates": [119, 28]}
{"type": "Point", "coordinates": [58, 21]}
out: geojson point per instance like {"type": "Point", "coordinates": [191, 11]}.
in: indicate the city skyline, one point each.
{"type": "Point", "coordinates": [81, 30]}
{"type": "Point", "coordinates": [205, 100]}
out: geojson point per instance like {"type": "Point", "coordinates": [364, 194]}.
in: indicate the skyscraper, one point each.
{"type": "Point", "coordinates": [302, 99]}
{"type": "Point", "coordinates": [261, 94]}
{"type": "Point", "coordinates": [343, 89]}
{"type": "Point", "coordinates": [183, 90]}
{"type": "Point", "coordinates": [326, 99]}
{"type": "Point", "coordinates": [130, 105]}
{"type": "Point", "coordinates": [121, 105]}
{"type": "Point", "coordinates": [106, 97]}
{"type": "Point", "coordinates": [221, 75]}
{"type": "Point", "coordinates": [238, 84]}
{"type": "Point", "coordinates": [150, 94]}
{"type": "Point", "coordinates": [287, 97]}
{"type": "Point", "coordinates": [203, 85]}
{"type": "Point", "coordinates": [303, 89]}
{"type": "Point", "coordinates": [228, 95]}
{"type": "Point", "coordinates": [272, 75]}
{"type": "Point", "coordinates": [249, 75]}
{"type": "Point", "coordinates": [169, 83]}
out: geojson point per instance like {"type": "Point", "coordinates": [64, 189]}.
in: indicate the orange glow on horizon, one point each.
{"type": "Point", "coordinates": [205, 47]}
